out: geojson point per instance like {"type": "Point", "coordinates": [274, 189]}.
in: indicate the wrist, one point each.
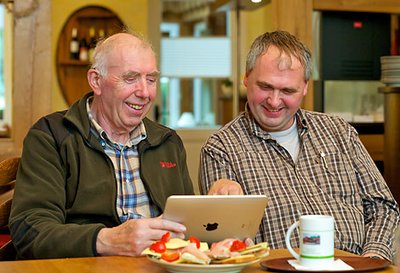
{"type": "Point", "coordinates": [101, 242]}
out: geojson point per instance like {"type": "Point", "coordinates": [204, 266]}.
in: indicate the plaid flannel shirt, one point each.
{"type": "Point", "coordinates": [333, 175]}
{"type": "Point", "coordinates": [133, 202]}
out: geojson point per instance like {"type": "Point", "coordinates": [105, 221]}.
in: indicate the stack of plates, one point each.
{"type": "Point", "coordinates": [390, 70]}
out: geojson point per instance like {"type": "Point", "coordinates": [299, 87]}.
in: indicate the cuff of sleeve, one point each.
{"type": "Point", "coordinates": [95, 253]}
{"type": "Point", "coordinates": [380, 249]}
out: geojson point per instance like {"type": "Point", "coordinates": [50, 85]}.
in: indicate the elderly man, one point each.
{"type": "Point", "coordinates": [93, 180]}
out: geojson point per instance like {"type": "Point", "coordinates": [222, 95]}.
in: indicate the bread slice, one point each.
{"type": "Point", "coordinates": [236, 260]}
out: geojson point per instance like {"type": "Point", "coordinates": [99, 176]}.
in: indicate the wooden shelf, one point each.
{"type": "Point", "coordinates": [71, 73]}
{"type": "Point", "coordinates": [74, 62]}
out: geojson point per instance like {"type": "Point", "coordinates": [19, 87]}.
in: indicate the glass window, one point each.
{"type": "Point", "coordinates": [2, 95]}
{"type": "Point", "coordinates": [5, 70]}
{"type": "Point", "coordinates": [195, 63]}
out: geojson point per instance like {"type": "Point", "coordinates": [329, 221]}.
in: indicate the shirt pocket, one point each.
{"type": "Point", "coordinates": [334, 175]}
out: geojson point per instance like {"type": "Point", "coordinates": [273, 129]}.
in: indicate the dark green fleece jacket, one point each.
{"type": "Point", "coordinates": [66, 186]}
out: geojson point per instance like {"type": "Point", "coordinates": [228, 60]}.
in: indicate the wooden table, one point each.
{"type": "Point", "coordinates": [120, 264]}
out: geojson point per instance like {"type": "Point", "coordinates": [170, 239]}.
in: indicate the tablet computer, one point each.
{"type": "Point", "coordinates": [213, 218]}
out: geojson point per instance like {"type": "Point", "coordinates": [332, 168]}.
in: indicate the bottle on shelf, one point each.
{"type": "Point", "coordinates": [92, 43]}
{"type": "Point", "coordinates": [83, 50]}
{"type": "Point", "coordinates": [102, 34]}
{"type": "Point", "coordinates": [74, 45]}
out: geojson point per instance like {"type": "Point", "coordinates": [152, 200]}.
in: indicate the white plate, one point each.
{"type": "Point", "coordinates": [388, 59]}
{"type": "Point", "coordinates": [390, 66]}
{"type": "Point", "coordinates": [390, 80]}
{"type": "Point", "coordinates": [390, 73]}
{"type": "Point", "coordinates": [197, 268]}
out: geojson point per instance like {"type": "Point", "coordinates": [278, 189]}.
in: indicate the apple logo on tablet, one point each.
{"type": "Point", "coordinates": [211, 227]}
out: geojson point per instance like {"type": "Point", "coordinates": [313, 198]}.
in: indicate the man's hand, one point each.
{"type": "Point", "coordinates": [133, 236]}
{"type": "Point", "coordinates": [373, 255]}
{"type": "Point", "coordinates": [225, 187]}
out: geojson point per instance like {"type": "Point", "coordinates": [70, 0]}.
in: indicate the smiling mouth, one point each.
{"type": "Point", "coordinates": [273, 110]}
{"type": "Point", "coordinates": [135, 106]}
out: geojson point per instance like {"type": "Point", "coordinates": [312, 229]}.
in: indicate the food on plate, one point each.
{"type": "Point", "coordinates": [180, 251]}
{"type": "Point", "coordinates": [166, 237]}
{"type": "Point", "coordinates": [170, 256]}
{"type": "Point", "coordinates": [228, 251]}
{"type": "Point", "coordinates": [248, 254]}
{"type": "Point", "coordinates": [158, 247]}
{"type": "Point", "coordinates": [192, 254]}
{"type": "Point", "coordinates": [236, 251]}
{"type": "Point", "coordinates": [195, 240]}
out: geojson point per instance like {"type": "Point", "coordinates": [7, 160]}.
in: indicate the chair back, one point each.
{"type": "Point", "coordinates": [8, 174]}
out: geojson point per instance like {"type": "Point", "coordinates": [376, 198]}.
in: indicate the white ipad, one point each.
{"type": "Point", "coordinates": [212, 218]}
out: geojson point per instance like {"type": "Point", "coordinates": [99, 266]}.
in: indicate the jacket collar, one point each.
{"type": "Point", "coordinates": [77, 115]}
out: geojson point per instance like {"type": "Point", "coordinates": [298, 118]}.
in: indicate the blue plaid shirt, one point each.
{"type": "Point", "coordinates": [133, 202]}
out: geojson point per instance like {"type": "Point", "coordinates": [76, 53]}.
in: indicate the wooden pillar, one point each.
{"type": "Point", "coordinates": [31, 70]}
{"type": "Point", "coordinates": [392, 138]}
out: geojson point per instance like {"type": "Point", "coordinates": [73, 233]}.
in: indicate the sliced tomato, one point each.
{"type": "Point", "coordinates": [158, 247]}
{"type": "Point", "coordinates": [195, 240]}
{"type": "Point", "coordinates": [166, 237]}
{"type": "Point", "coordinates": [170, 256]}
{"type": "Point", "coordinates": [238, 245]}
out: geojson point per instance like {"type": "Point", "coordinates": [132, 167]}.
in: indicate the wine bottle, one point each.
{"type": "Point", "coordinates": [92, 43]}
{"type": "Point", "coordinates": [102, 34]}
{"type": "Point", "coordinates": [74, 45]}
{"type": "Point", "coordinates": [83, 50]}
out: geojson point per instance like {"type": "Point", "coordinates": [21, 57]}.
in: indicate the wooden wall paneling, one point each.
{"type": "Point", "coordinates": [72, 73]}
{"type": "Point", "coordinates": [375, 145]}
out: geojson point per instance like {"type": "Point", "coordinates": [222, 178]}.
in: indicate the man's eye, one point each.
{"type": "Point", "coordinates": [266, 87]}
{"type": "Point", "coordinates": [131, 79]}
{"type": "Point", "coordinates": [151, 80]}
{"type": "Point", "coordinates": [288, 91]}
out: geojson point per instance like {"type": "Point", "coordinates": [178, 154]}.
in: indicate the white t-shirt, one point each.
{"type": "Point", "coordinates": [289, 139]}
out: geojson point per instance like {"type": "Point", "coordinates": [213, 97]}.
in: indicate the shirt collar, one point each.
{"type": "Point", "coordinates": [256, 129]}
{"type": "Point", "coordinates": [135, 136]}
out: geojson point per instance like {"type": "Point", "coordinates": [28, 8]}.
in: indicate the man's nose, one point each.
{"type": "Point", "coordinates": [274, 98]}
{"type": "Point", "coordinates": [142, 88]}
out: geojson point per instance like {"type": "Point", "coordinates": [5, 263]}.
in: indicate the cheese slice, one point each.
{"type": "Point", "coordinates": [236, 260]}
{"type": "Point", "coordinates": [174, 243]}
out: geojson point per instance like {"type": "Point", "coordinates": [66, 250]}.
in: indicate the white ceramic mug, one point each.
{"type": "Point", "coordinates": [316, 240]}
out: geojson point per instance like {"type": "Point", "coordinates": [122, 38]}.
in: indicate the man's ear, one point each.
{"type": "Point", "coordinates": [305, 90]}
{"type": "Point", "coordinates": [93, 78]}
{"type": "Point", "coordinates": [245, 78]}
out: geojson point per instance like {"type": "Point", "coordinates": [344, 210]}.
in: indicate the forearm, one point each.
{"type": "Point", "coordinates": [380, 230]}
{"type": "Point", "coordinates": [45, 239]}
{"type": "Point", "coordinates": [212, 168]}
{"type": "Point", "coordinates": [381, 211]}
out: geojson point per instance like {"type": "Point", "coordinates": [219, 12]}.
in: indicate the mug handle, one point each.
{"type": "Point", "coordinates": [287, 240]}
